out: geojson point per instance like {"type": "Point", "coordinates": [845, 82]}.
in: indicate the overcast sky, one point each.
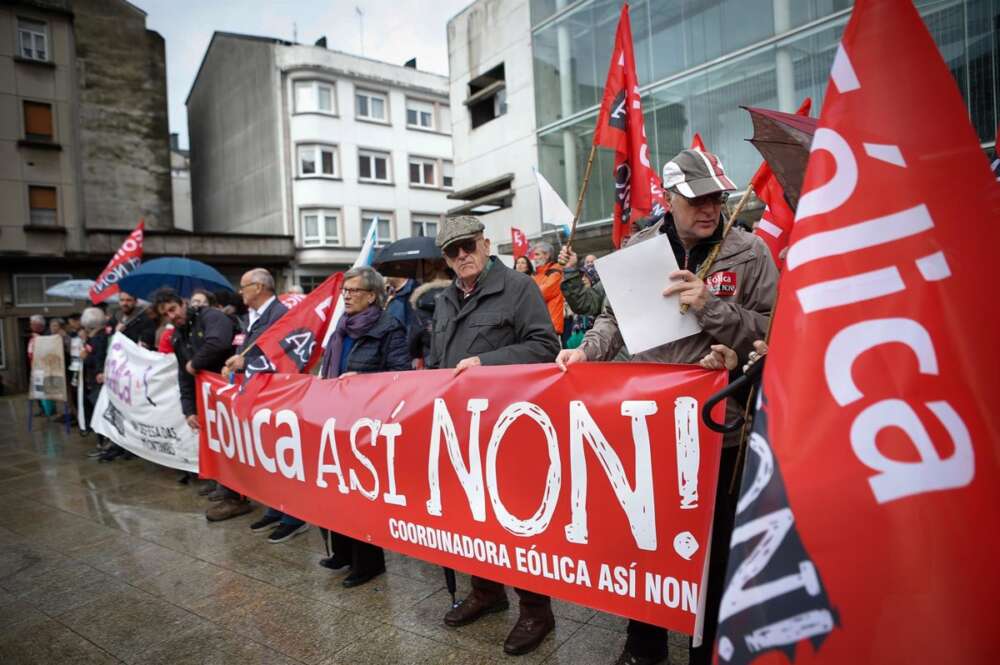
{"type": "Point", "coordinates": [394, 31]}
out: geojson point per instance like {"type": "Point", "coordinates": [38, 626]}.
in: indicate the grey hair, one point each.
{"type": "Point", "coordinates": [371, 280]}
{"type": "Point", "coordinates": [37, 318]}
{"type": "Point", "coordinates": [92, 318]}
{"type": "Point", "coordinates": [545, 247]}
{"type": "Point", "coordinates": [61, 321]}
{"type": "Point", "coordinates": [263, 277]}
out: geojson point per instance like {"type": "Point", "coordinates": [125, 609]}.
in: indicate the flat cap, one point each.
{"type": "Point", "coordinates": [458, 228]}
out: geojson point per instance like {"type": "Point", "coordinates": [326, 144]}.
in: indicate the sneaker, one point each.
{"type": "Point", "coordinates": [286, 532]}
{"type": "Point", "coordinates": [265, 523]}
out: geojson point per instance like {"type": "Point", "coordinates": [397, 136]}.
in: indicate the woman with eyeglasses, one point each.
{"type": "Point", "coordinates": [367, 339]}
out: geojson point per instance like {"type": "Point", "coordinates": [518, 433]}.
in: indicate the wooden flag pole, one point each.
{"type": "Point", "coordinates": [583, 192]}
{"type": "Point", "coordinates": [710, 259]}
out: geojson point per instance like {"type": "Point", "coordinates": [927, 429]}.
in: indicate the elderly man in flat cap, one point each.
{"type": "Point", "coordinates": [491, 315]}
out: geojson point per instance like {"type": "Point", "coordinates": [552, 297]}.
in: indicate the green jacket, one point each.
{"type": "Point", "coordinates": [588, 301]}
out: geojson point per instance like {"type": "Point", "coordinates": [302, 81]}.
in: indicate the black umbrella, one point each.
{"type": "Point", "coordinates": [784, 139]}
{"type": "Point", "coordinates": [402, 258]}
{"type": "Point", "coordinates": [449, 582]}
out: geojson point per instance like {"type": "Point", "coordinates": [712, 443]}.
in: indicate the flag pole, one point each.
{"type": "Point", "coordinates": [710, 259]}
{"type": "Point", "coordinates": [583, 192]}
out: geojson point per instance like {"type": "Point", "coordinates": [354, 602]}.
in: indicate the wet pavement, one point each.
{"type": "Point", "coordinates": [115, 563]}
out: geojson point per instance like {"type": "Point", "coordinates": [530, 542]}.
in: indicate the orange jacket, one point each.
{"type": "Point", "coordinates": [549, 279]}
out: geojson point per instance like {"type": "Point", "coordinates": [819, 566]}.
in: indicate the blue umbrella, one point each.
{"type": "Point", "coordinates": [182, 275]}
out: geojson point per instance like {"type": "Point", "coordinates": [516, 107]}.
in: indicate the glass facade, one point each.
{"type": "Point", "coordinates": [698, 61]}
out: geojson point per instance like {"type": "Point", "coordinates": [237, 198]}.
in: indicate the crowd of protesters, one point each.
{"type": "Point", "coordinates": [470, 310]}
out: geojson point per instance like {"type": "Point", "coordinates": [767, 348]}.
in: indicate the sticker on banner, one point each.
{"type": "Point", "coordinates": [722, 284]}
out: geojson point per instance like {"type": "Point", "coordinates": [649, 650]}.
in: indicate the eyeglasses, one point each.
{"type": "Point", "coordinates": [468, 246]}
{"type": "Point", "coordinates": [715, 199]}
{"type": "Point", "coordinates": [244, 287]}
{"type": "Point", "coordinates": [348, 291]}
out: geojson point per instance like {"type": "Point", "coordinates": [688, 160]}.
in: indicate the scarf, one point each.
{"type": "Point", "coordinates": [350, 325]}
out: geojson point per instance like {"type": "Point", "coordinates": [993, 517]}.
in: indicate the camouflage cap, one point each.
{"type": "Point", "coordinates": [693, 173]}
{"type": "Point", "coordinates": [458, 228]}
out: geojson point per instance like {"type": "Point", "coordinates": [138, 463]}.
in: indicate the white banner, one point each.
{"type": "Point", "coordinates": [140, 406]}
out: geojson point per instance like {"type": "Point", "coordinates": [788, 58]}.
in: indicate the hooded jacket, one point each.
{"type": "Point", "coordinates": [743, 285]}
{"type": "Point", "coordinates": [548, 278]}
{"type": "Point", "coordinates": [423, 301]}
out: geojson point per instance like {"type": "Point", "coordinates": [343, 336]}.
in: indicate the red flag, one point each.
{"type": "Point", "coordinates": [519, 242]}
{"type": "Point", "coordinates": [697, 143]}
{"type": "Point", "coordinates": [294, 343]}
{"type": "Point", "coordinates": [620, 127]}
{"type": "Point", "coordinates": [126, 259]}
{"type": "Point", "coordinates": [775, 225]}
{"type": "Point", "coordinates": [290, 300]}
{"type": "Point", "coordinates": [868, 525]}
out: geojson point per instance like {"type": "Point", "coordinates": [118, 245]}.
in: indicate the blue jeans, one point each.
{"type": "Point", "coordinates": [286, 520]}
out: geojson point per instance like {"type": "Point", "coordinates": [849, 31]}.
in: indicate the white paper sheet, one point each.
{"type": "Point", "coordinates": [634, 279]}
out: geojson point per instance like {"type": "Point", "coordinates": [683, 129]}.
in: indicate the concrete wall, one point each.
{"type": "Point", "coordinates": [234, 125]}
{"type": "Point", "coordinates": [124, 135]}
{"type": "Point", "coordinates": [180, 180]}
{"type": "Point", "coordinates": [398, 200]}
{"type": "Point", "coordinates": [485, 34]}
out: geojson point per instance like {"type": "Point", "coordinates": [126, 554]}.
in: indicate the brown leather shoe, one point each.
{"type": "Point", "coordinates": [528, 633]}
{"type": "Point", "coordinates": [227, 509]}
{"type": "Point", "coordinates": [472, 608]}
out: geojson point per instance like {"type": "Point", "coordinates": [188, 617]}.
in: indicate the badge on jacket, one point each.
{"type": "Point", "coordinates": [722, 283]}
{"type": "Point", "coordinates": [238, 339]}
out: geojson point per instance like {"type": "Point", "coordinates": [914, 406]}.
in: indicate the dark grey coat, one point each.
{"type": "Point", "coordinates": [504, 322]}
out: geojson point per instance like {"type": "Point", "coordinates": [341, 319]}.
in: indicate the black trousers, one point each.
{"type": "Point", "coordinates": [650, 641]}
{"type": "Point", "coordinates": [363, 557]}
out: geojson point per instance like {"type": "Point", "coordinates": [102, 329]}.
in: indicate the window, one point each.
{"type": "Point", "coordinates": [317, 160]}
{"type": "Point", "coordinates": [38, 121]}
{"type": "Point", "coordinates": [383, 234]}
{"type": "Point", "coordinates": [447, 174]}
{"type": "Point", "coordinates": [310, 282]}
{"type": "Point", "coordinates": [320, 227]}
{"type": "Point", "coordinates": [419, 114]}
{"type": "Point", "coordinates": [42, 202]}
{"type": "Point", "coordinates": [371, 106]}
{"type": "Point", "coordinates": [32, 40]}
{"type": "Point", "coordinates": [313, 96]}
{"type": "Point", "coordinates": [423, 172]}
{"type": "Point", "coordinates": [487, 96]}
{"type": "Point", "coordinates": [424, 226]}
{"type": "Point", "coordinates": [373, 166]}
{"type": "Point", "coordinates": [29, 290]}
{"type": "Point", "coordinates": [3, 347]}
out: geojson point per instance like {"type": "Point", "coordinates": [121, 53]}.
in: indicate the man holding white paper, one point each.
{"type": "Point", "coordinates": [732, 306]}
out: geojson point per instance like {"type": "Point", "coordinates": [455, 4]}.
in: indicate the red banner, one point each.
{"type": "Point", "coordinates": [294, 343]}
{"type": "Point", "coordinates": [595, 486]}
{"type": "Point", "coordinates": [865, 526]}
{"type": "Point", "coordinates": [621, 127]}
{"type": "Point", "coordinates": [126, 259]}
{"type": "Point", "coordinates": [697, 143]}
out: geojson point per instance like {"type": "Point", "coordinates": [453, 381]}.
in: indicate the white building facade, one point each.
{"type": "Point", "coordinates": [359, 142]}
{"type": "Point", "coordinates": [493, 115]}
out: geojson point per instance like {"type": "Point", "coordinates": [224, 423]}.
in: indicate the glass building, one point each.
{"type": "Point", "coordinates": [698, 61]}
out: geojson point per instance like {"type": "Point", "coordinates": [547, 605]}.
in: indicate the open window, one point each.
{"type": "Point", "coordinates": [487, 96]}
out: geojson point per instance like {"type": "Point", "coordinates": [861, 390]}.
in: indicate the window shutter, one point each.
{"type": "Point", "coordinates": [38, 119]}
{"type": "Point", "coordinates": [42, 198]}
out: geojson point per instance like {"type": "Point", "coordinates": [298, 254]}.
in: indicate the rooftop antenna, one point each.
{"type": "Point", "coordinates": [361, 20]}
{"type": "Point", "coordinates": [295, 33]}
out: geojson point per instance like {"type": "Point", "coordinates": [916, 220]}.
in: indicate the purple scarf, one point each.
{"type": "Point", "coordinates": [350, 325]}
